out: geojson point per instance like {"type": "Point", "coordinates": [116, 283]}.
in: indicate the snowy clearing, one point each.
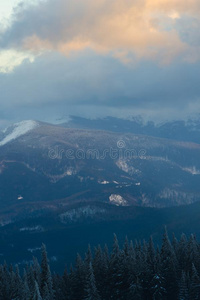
{"type": "Point", "coordinates": [117, 200]}
{"type": "Point", "coordinates": [19, 129]}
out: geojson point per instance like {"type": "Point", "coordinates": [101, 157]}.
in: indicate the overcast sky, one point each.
{"type": "Point", "coordinates": [99, 58]}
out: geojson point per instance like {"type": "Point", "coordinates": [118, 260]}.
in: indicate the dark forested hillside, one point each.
{"type": "Point", "coordinates": [50, 167]}
{"type": "Point", "coordinates": [136, 271]}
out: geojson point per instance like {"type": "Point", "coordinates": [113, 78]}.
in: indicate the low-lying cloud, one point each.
{"type": "Point", "coordinates": [94, 85]}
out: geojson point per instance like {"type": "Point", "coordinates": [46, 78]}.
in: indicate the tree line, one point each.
{"type": "Point", "coordinates": [136, 271]}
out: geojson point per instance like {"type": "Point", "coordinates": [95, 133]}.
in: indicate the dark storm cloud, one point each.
{"type": "Point", "coordinates": [54, 83]}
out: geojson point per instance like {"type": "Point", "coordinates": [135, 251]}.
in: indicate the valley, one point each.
{"type": "Point", "coordinates": [69, 186]}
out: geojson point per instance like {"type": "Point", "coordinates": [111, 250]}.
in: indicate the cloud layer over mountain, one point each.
{"type": "Point", "coordinates": [120, 56]}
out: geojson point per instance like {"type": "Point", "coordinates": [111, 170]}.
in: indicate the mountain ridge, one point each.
{"type": "Point", "coordinates": [185, 130]}
{"type": "Point", "coordinates": [143, 171]}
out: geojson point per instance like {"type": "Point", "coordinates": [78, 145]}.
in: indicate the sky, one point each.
{"type": "Point", "coordinates": [99, 58]}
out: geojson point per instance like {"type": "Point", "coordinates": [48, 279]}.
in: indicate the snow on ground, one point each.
{"type": "Point", "coordinates": [75, 214]}
{"type": "Point", "coordinates": [103, 182]}
{"type": "Point", "coordinates": [117, 200]}
{"type": "Point", "coordinates": [34, 249]}
{"type": "Point", "coordinates": [192, 170]}
{"type": "Point", "coordinates": [19, 129]}
{"type": "Point", "coordinates": [125, 166]}
{"type": "Point", "coordinates": [37, 228]}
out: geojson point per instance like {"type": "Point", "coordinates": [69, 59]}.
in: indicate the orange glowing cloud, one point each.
{"type": "Point", "coordinates": [144, 29]}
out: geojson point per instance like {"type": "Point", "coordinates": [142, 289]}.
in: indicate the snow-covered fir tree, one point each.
{"type": "Point", "coordinates": [138, 272]}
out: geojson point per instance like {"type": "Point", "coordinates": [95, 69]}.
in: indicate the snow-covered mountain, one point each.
{"type": "Point", "coordinates": [53, 185]}
{"type": "Point", "coordinates": [181, 130]}
{"type": "Point", "coordinates": [17, 130]}
{"type": "Point", "coordinates": [46, 167]}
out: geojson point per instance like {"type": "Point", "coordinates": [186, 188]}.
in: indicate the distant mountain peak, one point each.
{"type": "Point", "coordinates": [16, 130]}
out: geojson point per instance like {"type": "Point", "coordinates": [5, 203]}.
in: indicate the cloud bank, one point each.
{"type": "Point", "coordinates": [103, 57]}
{"type": "Point", "coordinates": [96, 85]}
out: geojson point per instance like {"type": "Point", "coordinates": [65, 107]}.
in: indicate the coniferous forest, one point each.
{"type": "Point", "coordinates": [135, 271]}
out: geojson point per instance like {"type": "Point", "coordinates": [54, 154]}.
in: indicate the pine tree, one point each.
{"type": "Point", "coordinates": [149, 267]}
{"type": "Point", "coordinates": [37, 295]}
{"type": "Point", "coordinates": [18, 285]}
{"type": "Point", "coordinates": [135, 290]}
{"type": "Point", "coordinates": [157, 261]}
{"type": "Point", "coordinates": [151, 254]}
{"type": "Point", "coordinates": [88, 257]}
{"type": "Point", "coordinates": [78, 279]}
{"type": "Point", "coordinates": [182, 254]}
{"type": "Point", "coordinates": [46, 293]}
{"type": "Point", "coordinates": [115, 271]}
{"type": "Point", "coordinates": [46, 278]}
{"type": "Point", "coordinates": [1, 282]}
{"type": "Point", "coordinates": [36, 270]}
{"type": "Point", "coordinates": [139, 266]}
{"type": "Point", "coordinates": [193, 256]}
{"type": "Point", "coordinates": [140, 273]}
{"type": "Point", "coordinates": [157, 287]}
{"type": "Point", "coordinates": [106, 255]}
{"type": "Point", "coordinates": [6, 287]}
{"type": "Point", "coordinates": [126, 247]}
{"type": "Point", "coordinates": [175, 244]}
{"type": "Point", "coordinates": [26, 294]}
{"type": "Point", "coordinates": [100, 268]}
{"type": "Point", "coordinates": [132, 276]}
{"type": "Point", "coordinates": [69, 283]}
{"type": "Point", "coordinates": [61, 291]}
{"type": "Point", "coordinates": [169, 267]}
{"type": "Point", "coordinates": [125, 270]}
{"type": "Point", "coordinates": [183, 288]}
{"type": "Point", "coordinates": [194, 291]}
{"type": "Point", "coordinates": [30, 279]}
{"type": "Point", "coordinates": [13, 292]}
{"type": "Point", "coordinates": [91, 292]}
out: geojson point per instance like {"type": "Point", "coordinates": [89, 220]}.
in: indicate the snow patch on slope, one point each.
{"type": "Point", "coordinates": [117, 200]}
{"type": "Point", "coordinates": [103, 182]}
{"type": "Point", "coordinates": [18, 130]}
{"type": "Point", "coordinates": [74, 215]}
{"type": "Point", "coordinates": [124, 166]}
{"type": "Point", "coordinates": [37, 228]}
{"type": "Point", "coordinates": [192, 170]}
